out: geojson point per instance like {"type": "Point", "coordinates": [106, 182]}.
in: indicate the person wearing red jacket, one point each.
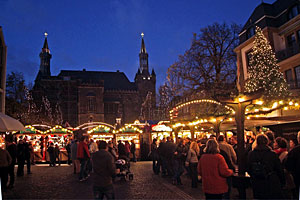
{"type": "Point", "coordinates": [83, 155]}
{"type": "Point", "coordinates": [214, 170]}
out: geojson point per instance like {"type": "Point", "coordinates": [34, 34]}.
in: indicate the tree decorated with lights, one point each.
{"type": "Point", "coordinates": [264, 71]}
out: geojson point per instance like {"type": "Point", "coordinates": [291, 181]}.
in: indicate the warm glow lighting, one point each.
{"type": "Point", "coordinates": [291, 103]}
{"type": "Point", "coordinates": [280, 102]}
{"type": "Point", "coordinates": [296, 104]}
{"type": "Point", "coordinates": [241, 99]}
{"type": "Point", "coordinates": [214, 120]}
{"type": "Point", "coordinates": [275, 105]}
{"type": "Point", "coordinates": [248, 117]}
{"type": "Point", "coordinates": [259, 102]}
{"type": "Point", "coordinates": [230, 119]}
{"type": "Point", "coordinates": [285, 108]}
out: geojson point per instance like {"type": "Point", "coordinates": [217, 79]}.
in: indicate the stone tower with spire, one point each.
{"type": "Point", "coordinates": [146, 84]}
{"type": "Point", "coordinates": [45, 57]}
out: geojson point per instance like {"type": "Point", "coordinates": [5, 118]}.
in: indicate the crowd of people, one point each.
{"type": "Point", "coordinates": [272, 163]}
{"type": "Point", "coordinates": [100, 157]}
{"type": "Point", "coordinates": [20, 154]}
{"type": "Point", "coordinates": [82, 151]}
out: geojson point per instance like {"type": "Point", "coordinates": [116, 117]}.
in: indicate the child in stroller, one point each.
{"type": "Point", "coordinates": [123, 165]}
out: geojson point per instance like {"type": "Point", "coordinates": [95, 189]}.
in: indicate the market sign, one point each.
{"type": "Point", "coordinates": [161, 128]}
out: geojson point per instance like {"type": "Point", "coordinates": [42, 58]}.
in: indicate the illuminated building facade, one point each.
{"type": "Point", "coordinates": [97, 96]}
{"type": "Point", "coordinates": [280, 24]}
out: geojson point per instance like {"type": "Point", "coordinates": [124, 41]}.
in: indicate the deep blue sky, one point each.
{"type": "Point", "coordinates": [104, 35]}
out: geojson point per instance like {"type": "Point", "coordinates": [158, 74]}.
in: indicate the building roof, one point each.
{"type": "Point", "coordinates": [268, 15]}
{"type": "Point", "coordinates": [112, 80]}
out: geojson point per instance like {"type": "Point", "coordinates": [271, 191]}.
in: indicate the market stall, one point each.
{"type": "Point", "coordinates": [101, 132]}
{"type": "Point", "coordinates": [35, 137]}
{"type": "Point", "coordinates": [161, 131]}
{"type": "Point", "coordinates": [2, 140]}
{"type": "Point", "coordinates": [130, 133]}
{"type": "Point", "coordinates": [59, 136]}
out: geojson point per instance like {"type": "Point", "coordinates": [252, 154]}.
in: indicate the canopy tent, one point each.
{"type": "Point", "coordinates": [8, 123]}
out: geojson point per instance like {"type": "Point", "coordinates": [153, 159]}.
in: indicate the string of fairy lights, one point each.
{"type": "Point", "coordinates": [250, 113]}
{"type": "Point", "coordinates": [56, 129]}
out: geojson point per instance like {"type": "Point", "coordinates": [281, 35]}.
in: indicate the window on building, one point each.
{"type": "Point", "coordinates": [91, 104]}
{"type": "Point", "coordinates": [250, 32]}
{"type": "Point", "coordinates": [294, 11]}
{"type": "Point", "coordinates": [297, 74]}
{"type": "Point", "coordinates": [289, 77]}
{"type": "Point", "coordinates": [291, 40]}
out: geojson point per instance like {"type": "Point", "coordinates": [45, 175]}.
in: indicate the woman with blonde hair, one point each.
{"type": "Point", "coordinates": [192, 162]}
{"type": "Point", "coordinates": [214, 170]}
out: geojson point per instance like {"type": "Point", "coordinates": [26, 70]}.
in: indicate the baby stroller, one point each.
{"type": "Point", "coordinates": [124, 165]}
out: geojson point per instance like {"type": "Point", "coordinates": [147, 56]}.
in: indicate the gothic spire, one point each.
{"type": "Point", "coordinates": [45, 47]}
{"type": "Point", "coordinates": [45, 58]}
{"type": "Point", "coordinates": [144, 69]}
{"type": "Point", "coordinates": [143, 47]}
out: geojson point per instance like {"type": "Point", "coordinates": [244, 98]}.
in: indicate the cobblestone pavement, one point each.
{"type": "Point", "coordinates": [60, 183]}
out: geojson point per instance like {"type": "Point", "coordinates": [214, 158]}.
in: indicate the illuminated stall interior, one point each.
{"type": "Point", "coordinates": [129, 133]}
{"type": "Point", "coordinates": [101, 132]}
{"type": "Point", "coordinates": [2, 140]}
{"type": "Point", "coordinates": [161, 131]}
{"type": "Point", "coordinates": [33, 135]}
{"type": "Point", "coordinates": [59, 135]}
{"type": "Point", "coordinates": [36, 137]}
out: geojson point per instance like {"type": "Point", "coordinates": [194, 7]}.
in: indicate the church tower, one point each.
{"type": "Point", "coordinates": [45, 57]}
{"type": "Point", "coordinates": [146, 84]}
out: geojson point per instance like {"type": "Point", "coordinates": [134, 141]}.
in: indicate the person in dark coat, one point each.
{"type": "Point", "coordinates": [68, 148]}
{"type": "Point", "coordinates": [51, 155]}
{"type": "Point", "coordinates": [5, 161]}
{"type": "Point", "coordinates": [162, 163]}
{"type": "Point", "coordinates": [121, 150]}
{"type": "Point", "coordinates": [154, 156]}
{"type": "Point", "coordinates": [170, 148]}
{"type": "Point", "coordinates": [20, 157]}
{"type": "Point", "coordinates": [75, 161]}
{"type": "Point", "coordinates": [268, 186]}
{"type": "Point", "coordinates": [27, 155]}
{"type": "Point", "coordinates": [179, 158]}
{"type": "Point", "coordinates": [12, 150]}
{"type": "Point", "coordinates": [132, 151]}
{"type": "Point", "coordinates": [103, 171]}
{"type": "Point", "coordinates": [293, 165]}
{"type": "Point", "coordinates": [57, 154]}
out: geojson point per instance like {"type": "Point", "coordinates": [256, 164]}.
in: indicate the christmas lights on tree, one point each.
{"type": "Point", "coordinates": [263, 71]}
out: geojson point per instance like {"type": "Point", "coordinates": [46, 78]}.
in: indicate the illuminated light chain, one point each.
{"type": "Point", "coordinates": [98, 127]}
{"type": "Point", "coordinates": [58, 127]}
{"type": "Point", "coordinates": [126, 127]}
{"type": "Point", "coordinates": [198, 101]}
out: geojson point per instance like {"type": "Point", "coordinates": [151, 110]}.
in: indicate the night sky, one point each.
{"type": "Point", "coordinates": [104, 35]}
